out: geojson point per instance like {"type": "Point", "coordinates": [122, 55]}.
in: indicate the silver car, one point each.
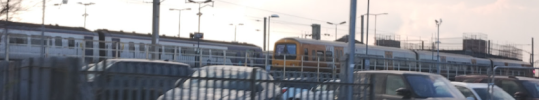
{"type": "Point", "coordinates": [225, 82]}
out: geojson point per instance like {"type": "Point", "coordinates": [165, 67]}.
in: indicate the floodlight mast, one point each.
{"type": "Point", "coordinates": [200, 7]}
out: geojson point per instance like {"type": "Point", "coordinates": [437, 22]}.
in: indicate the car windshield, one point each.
{"type": "Point", "coordinates": [432, 86]}
{"type": "Point", "coordinates": [533, 88]}
{"type": "Point", "coordinates": [285, 49]}
{"type": "Point", "coordinates": [498, 94]}
{"type": "Point", "coordinates": [222, 84]}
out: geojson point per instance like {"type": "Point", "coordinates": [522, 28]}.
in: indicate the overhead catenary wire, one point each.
{"type": "Point", "coordinates": [271, 11]}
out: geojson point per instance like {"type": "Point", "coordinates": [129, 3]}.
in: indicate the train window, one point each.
{"type": "Point", "coordinates": [306, 54]}
{"type": "Point", "coordinates": [89, 41]}
{"type": "Point", "coordinates": [58, 41]}
{"type": "Point", "coordinates": [188, 51]}
{"type": "Point", "coordinates": [169, 50]}
{"type": "Point", "coordinates": [205, 52]}
{"type": "Point", "coordinates": [142, 47]}
{"type": "Point", "coordinates": [217, 52]}
{"type": "Point", "coordinates": [328, 56]}
{"type": "Point", "coordinates": [320, 54]}
{"type": "Point", "coordinates": [18, 39]}
{"type": "Point", "coordinates": [288, 50]}
{"type": "Point", "coordinates": [71, 42]}
{"type": "Point", "coordinates": [313, 55]}
{"type": "Point", "coordinates": [36, 40]}
{"type": "Point", "coordinates": [131, 46]}
{"type": "Point", "coordinates": [230, 53]}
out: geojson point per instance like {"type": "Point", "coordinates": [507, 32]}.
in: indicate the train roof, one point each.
{"type": "Point", "coordinates": [48, 28]}
{"type": "Point", "coordinates": [509, 61]}
{"type": "Point", "coordinates": [311, 41]}
{"type": "Point", "coordinates": [170, 37]}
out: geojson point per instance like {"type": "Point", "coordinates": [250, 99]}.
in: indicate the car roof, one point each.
{"type": "Point", "coordinates": [498, 77]}
{"type": "Point", "coordinates": [229, 67]}
{"type": "Point", "coordinates": [397, 72]}
{"type": "Point", "coordinates": [301, 79]}
{"type": "Point", "coordinates": [471, 85]}
{"type": "Point", "coordinates": [147, 61]}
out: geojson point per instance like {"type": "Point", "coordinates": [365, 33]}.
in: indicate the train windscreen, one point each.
{"type": "Point", "coordinates": [285, 49]}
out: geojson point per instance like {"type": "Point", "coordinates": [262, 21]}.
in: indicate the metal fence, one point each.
{"type": "Point", "coordinates": [73, 72]}
{"type": "Point", "coordinates": [68, 78]}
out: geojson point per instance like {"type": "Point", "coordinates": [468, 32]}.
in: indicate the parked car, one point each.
{"type": "Point", "coordinates": [323, 91]}
{"type": "Point", "coordinates": [394, 85]}
{"type": "Point", "coordinates": [294, 86]}
{"type": "Point", "coordinates": [405, 85]}
{"type": "Point", "coordinates": [521, 88]}
{"type": "Point", "coordinates": [226, 82]}
{"type": "Point", "coordinates": [122, 79]}
{"type": "Point", "coordinates": [479, 91]}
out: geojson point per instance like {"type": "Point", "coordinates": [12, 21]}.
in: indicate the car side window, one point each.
{"type": "Point", "coordinates": [466, 92]}
{"type": "Point", "coordinates": [510, 86]}
{"type": "Point", "coordinates": [393, 82]}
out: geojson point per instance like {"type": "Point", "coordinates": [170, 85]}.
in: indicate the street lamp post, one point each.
{"type": "Point", "coordinates": [336, 27]}
{"type": "Point", "coordinates": [179, 18]}
{"type": "Point", "coordinates": [438, 22]}
{"type": "Point", "coordinates": [235, 28]}
{"type": "Point", "coordinates": [267, 53]}
{"type": "Point", "coordinates": [85, 14]}
{"type": "Point", "coordinates": [375, 15]}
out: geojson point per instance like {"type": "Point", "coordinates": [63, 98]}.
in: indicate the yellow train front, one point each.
{"type": "Point", "coordinates": [307, 55]}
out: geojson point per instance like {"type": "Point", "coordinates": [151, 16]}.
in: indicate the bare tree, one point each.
{"type": "Point", "coordinates": [9, 8]}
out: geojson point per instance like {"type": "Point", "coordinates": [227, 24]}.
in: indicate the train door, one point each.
{"type": "Point", "coordinates": [328, 55]}
{"type": "Point", "coordinates": [89, 45]}
{"type": "Point", "coordinates": [116, 47]}
{"type": "Point", "coordinates": [338, 53]}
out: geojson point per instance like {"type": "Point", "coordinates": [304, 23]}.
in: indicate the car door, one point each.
{"type": "Point", "coordinates": [391, 83]}
{"type": "Point", "coordinates": [510, 86]}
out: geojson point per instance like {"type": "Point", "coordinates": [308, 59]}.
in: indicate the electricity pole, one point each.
{"type": "Point", "coordinates": [155, 28]}
{"type": "Point", "coordinates": [438, 45]}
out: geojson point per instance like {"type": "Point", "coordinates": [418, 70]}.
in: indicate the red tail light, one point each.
{"type": "Point", "coordinates": [284, 90]}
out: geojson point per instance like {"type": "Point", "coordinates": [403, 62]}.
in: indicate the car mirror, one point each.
{"type": "Point", "coordinates": [470, 98]}
{"type": "Point", "coordinates": [520, 95]}
{"type": "Point", "coordinates": [406, 93]}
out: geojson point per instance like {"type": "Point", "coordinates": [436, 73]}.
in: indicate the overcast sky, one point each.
{"type": "Point", "coordinates": [502, 21]}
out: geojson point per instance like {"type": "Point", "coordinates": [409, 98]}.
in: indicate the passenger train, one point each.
{"type": "Point", "coordinates": [293, 53]}
{"type": "Point", "coordinates": [24, 42]}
